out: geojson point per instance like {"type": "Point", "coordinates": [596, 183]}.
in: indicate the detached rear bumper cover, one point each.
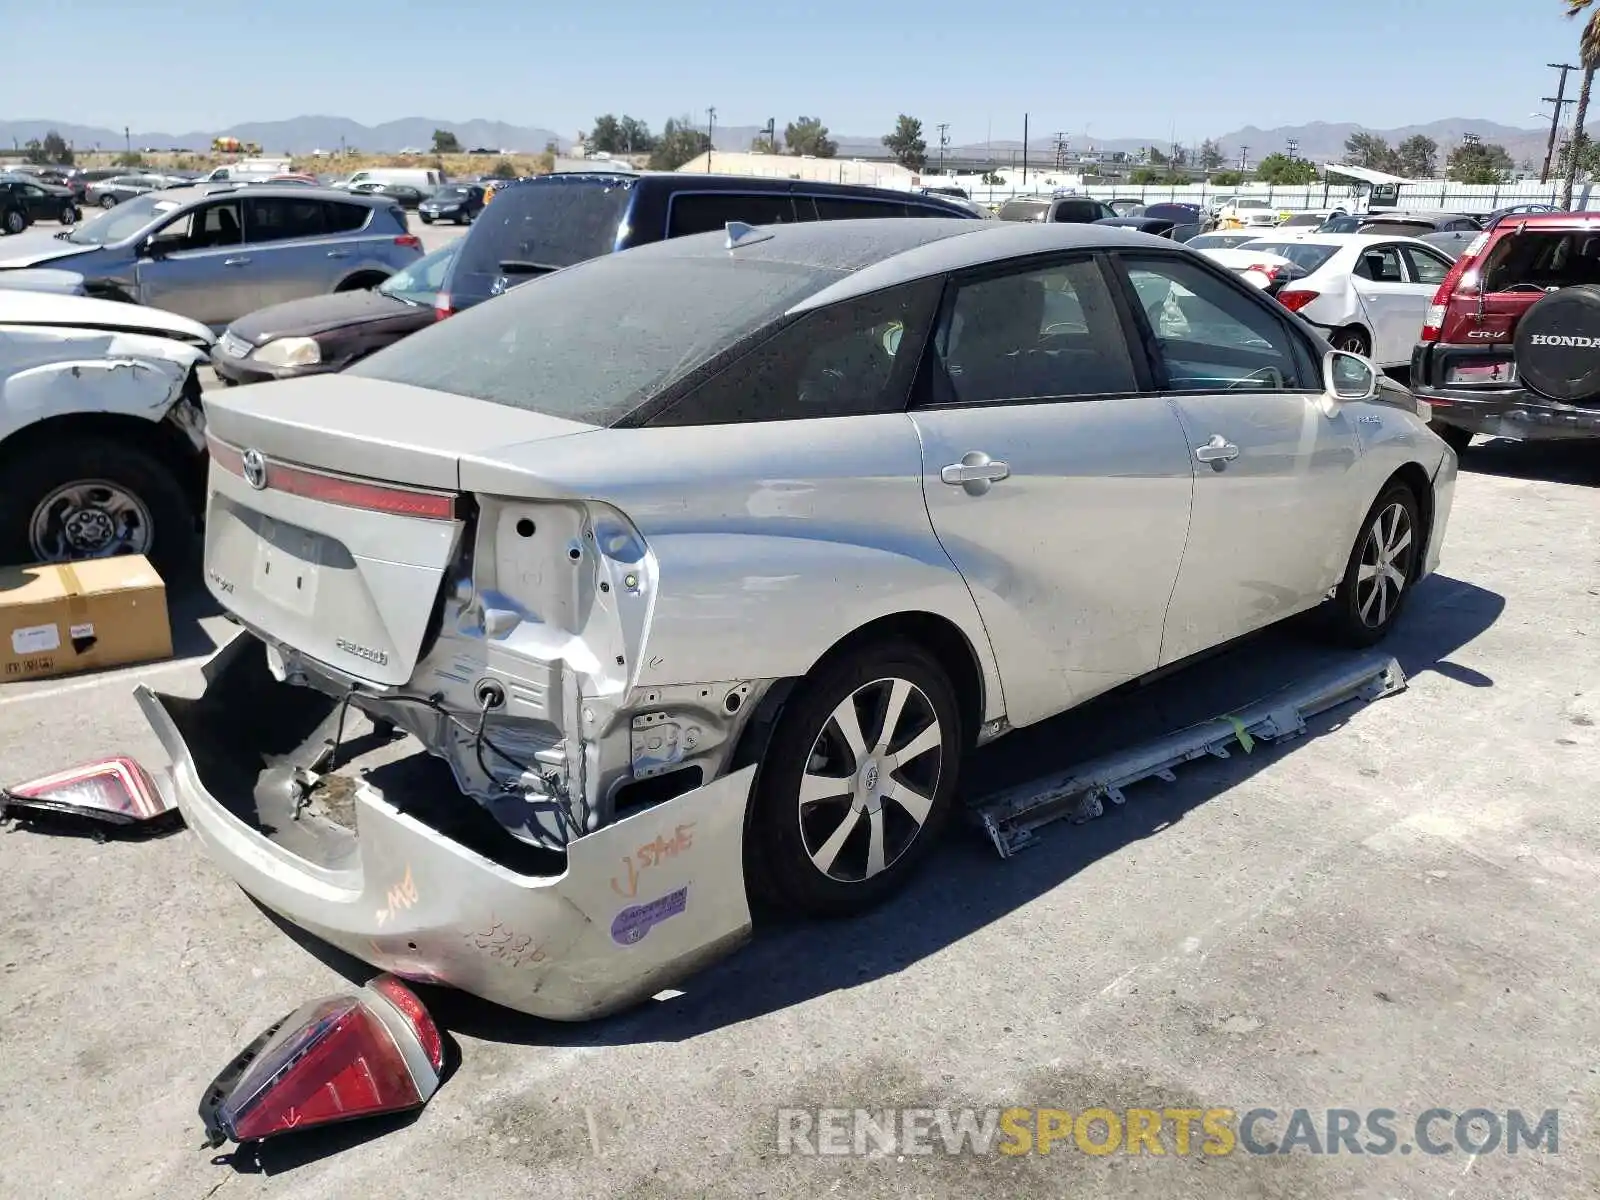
{"type": "Point", "coordinates": [1510, 413]}
{"type": "Point", "coordinates": [642, 902]}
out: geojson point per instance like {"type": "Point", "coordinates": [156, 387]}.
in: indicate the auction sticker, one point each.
{"type": "Point", "coordinates": [633, 922]}
{"type": "Point", "coordinates": [35, 638]}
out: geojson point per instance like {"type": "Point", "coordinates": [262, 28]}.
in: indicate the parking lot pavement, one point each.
{"type": "Point", "coordinates": [1395, 911]}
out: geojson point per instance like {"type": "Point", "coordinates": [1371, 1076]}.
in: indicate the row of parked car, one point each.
{"type": "Point", "coordinates": [281, 281]}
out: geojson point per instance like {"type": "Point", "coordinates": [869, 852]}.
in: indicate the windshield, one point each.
{"type": "Point", "coordinates": [123, 221]}
{"type": "Point", "coordinates": [421, 282]}
{"type": "Point", "coordinates": [452, 193]}
{"type": "Point", "coordinates": [1307, 257]}
{"type": "Point", "coordinates": [593, 343]}
{"type": "Point", "coordinates": [539, 225]}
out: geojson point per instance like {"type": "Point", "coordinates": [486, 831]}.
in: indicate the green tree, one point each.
{"type": "Point", "coordinates": [1479, 162]}
{"type": "Point", "coordinates": [1370, 151]}
{"type": "Point", "coordinates": [681, 140]}
{"type": "Point", "coordinates": [808, 135]}
{"type": "Point", "coordinates": [445, 142]}
{"type": "Point", "coordinates": [1589, 56]}
{"type": "Point", "coordinates": [606, 136]}
{"type": "Point", "coordinates": [1209, 155]}
{"type": "Point", "coordinates": [55, 149]}
{"type": "Point", "coordinates": [504, 169]}
{"type": "Point", "coordinates": [33, 152]}
{"type": "Point", "coordinates": [906, 143]}
{"type": "Point", "coordinates": [1419, 156]}
{"type": "Point", "coordinates": [1228, 178]}
{"type": "Point", "coordinates": [636, 136]}
{"type": "Point", "coordinates": [1281, 169]}
{"type": "Point", "coordinates": [762, 145]}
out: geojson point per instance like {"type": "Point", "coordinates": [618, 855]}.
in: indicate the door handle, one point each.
{"type": "Point", "coordinates": [241, 261]}
{"type": "Point", "coordinates": [1219, 452]}
{"type": "Point", "coordinates": [975, 472]}
{"type": "Point", "coordinates": [338, 254]}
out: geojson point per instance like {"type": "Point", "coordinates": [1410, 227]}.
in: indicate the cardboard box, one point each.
{"type": "Point", "coordinates": [103, 612]}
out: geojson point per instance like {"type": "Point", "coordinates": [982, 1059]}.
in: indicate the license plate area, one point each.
{"type": "Point", "coordinates": [287, 567]}
{"type": "Point", "coordinates": [1501, 371]}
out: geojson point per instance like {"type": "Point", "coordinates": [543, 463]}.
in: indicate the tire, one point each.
{"type": "Point", "coordinates": [15, 221]}
{"type": "Point", "coordinates": [426, 220]}
{"type": "Point", "coordinates": [809, 743]}
{"type": "Point", "coordinates": [69, 214]}
{"type": "Point", "coordinates": [1351, 340]}
{"type": "Point", "coordinates": [97, 465]}
{"type": "Point", "coordinates": [1358, 615]}
{"type": "Point", "coordinates": [461, 218]}
{"type": "Point", "coordinates": [108, 201]}
{"type": "Point", "coordinates": [1454, 436]}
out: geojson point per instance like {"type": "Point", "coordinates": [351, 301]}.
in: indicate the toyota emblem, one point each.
{"type": "Point", "coordinates": [255, 468]}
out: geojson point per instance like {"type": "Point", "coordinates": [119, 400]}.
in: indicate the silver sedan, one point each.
{"type": "Point", "coordinates": [698, 569]}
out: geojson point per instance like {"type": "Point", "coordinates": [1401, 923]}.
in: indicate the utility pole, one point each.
{"type": "Point", "coordinates": [127, 141]}
{"type": "Point", "coordinates": [1061, 150]}
{"type": "Point", "coordinates": [944, 141]}
{"type": "Point", "coordinates": [1560, 101]}
{"type": "Point", "coordinates": [1024, 148]}
{"type": "Point", "coordinates": [711, 135]}
{"type": "Point", "coordinates": [1294, 149]}
{"type": "Point", "coordinates": [1244, 159]}
{"type": "Point", "coordinates": [772, 135]}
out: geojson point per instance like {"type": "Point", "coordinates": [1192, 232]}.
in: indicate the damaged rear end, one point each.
{"type": "Point", "coordinates": [430, 723]}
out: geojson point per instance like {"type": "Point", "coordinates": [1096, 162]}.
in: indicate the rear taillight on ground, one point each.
{"type": "Point", "coordinates": [113, 791]}
{"type": "Point", "coordinates": [338, 489]}
{"type": "Point", "coordinates": [1296, 299]}
{"type": "Point", "coordinates": [336, 1059]}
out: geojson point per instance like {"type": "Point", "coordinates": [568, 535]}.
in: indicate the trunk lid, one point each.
{"type": "Point", "coordinates": [335, 514]}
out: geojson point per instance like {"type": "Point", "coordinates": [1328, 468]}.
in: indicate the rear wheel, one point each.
{"type": "Point", "coordinates": [15, 221]}
{"type": "Point", "coordinates": [69, 214]}
{"type": "Point", "coordinates": [1382, 567]}
{"type": "Point", "coordinates": [108, 201]}
{"type": "Point", "coordinates": [857, 782]}
{"type": "Point", "coordinates": [1352, 341]}
{"type": "Point", "coordinates": [90, 497]}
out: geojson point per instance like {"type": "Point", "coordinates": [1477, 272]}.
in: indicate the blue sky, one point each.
{"type": "Point", "coordinates": [1106, 67]}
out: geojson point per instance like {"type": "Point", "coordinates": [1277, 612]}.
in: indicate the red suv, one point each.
{"type": "Point", "coordinates": [1511, 344]}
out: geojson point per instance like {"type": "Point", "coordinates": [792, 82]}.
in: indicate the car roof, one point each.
{"type": "Point", "coordinates": [293, 191]}
{"type": "Point", "coordinates": [681, 182]}
{"type": "Point", "coordinates": [877, 253]}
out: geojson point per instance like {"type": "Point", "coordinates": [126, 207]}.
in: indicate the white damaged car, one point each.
{"type": "Point", "coordinates": [102, 444]}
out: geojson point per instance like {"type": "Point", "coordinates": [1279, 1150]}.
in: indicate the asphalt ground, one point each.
{"type": "Point", "coordinates": [1396, 911]}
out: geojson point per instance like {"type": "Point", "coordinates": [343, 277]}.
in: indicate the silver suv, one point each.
{"type": "Point", "coordinates": [214, 254]}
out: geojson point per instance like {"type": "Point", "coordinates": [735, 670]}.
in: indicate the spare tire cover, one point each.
{"type": "Point", "coordinates": [1558, 345]}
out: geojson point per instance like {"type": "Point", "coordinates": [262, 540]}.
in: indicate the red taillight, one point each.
{"type": "Point", "coordinates": [338, 489]}
{"type": "Point", "coordinates": [114, 790]}
{"type": "Point", "coordinates": [1433, 319]}
{"type": "Point", "coordinates": [409, 239]}
{"type": "Point", "coordinates": [330, 1060]}
{"type": "Point", "coordinates": [441, 306]}
{"type": "Point", "coordinates": [1295, 300]}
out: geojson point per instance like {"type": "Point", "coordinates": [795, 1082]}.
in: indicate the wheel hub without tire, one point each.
{"type": "Point", "coordinates": [89, 519]}
{"type": "Point", "coordinates": [870, 780]}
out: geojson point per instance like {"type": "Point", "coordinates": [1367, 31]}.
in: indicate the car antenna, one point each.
{"type": "Point", "coordinates": [740, 234]}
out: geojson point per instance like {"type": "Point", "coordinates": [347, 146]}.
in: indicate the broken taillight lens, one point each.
{"type": "Point", "coordinates": [1297, 299]}
{"type": "Point", "coordinates": [334, 1059]}
{"type": "Point", "coordinates": [117, 791]}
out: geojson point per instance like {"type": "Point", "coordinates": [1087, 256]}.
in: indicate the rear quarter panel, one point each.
{"type": "Point", "coordinates": [772, 541]}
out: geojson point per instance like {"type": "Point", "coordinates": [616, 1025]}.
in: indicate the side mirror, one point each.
{"type": "Point", "coordinates": [152, 249]}
{"type": "Point", "coordinates": [1347, 376]}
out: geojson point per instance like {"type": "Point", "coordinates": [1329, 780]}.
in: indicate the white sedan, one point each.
{"type": "Point", "coordinates": [1368, 295]}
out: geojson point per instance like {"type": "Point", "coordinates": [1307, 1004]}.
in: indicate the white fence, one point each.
{"type": "Point", "coordinates": [1425, 195]}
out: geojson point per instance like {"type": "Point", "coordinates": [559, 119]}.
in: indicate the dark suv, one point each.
{"type": "Point", "coordinates": [534, 226]}
{"type": "Point", "coordinates": [1511, 343]}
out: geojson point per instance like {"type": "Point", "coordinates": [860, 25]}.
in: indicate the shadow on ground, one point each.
{"type": "Point", "coordinates": [965, 886]}
{"type": "Point", "coordinates": [1576, 461]}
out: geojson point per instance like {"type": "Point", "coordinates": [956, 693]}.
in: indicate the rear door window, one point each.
{"type": "Point", "coordinates": [1538, 260]}
{"type": "Point", "coordinates": [279, 219]}
{"type": "Point", "coordinates": [1425, 267]}
{"type": "Point", "coordinates": [708, 212]}
{"type": "Point", "coordinates": [1381, 264]}
{"type": "Point", "coordinates": [344, 218]}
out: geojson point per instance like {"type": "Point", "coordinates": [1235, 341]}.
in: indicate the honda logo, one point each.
{"type": "Point", "coordinates": [255, 468]}
{"type": "Point", "coordinates": [1552, 339]}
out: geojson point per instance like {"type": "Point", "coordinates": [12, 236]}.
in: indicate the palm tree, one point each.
{"type": "Point", "coordinates": [1589, 56]}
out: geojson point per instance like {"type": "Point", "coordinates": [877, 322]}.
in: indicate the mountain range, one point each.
{"type": "Point", "coordinates": [1320, 141]}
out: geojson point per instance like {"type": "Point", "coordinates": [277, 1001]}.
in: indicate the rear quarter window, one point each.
{"type": "Point", "coordinates": [710, 211]}
{"type": "Point", "coordinates": [345, 218]}
{"type": "Point", "coordinates": [552, 224]}
{"type": "Point", "coordinates": [1543, 258]}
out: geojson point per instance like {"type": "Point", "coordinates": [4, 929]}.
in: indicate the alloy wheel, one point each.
{"type": "Point", "coordinates": [1385, 566]}
{"type": "Point", "coordinates": [89, 518]}
{"type": "Point", "coordinates": [15, 222]}
{"type": "Point", "coordinates": [870, 780]}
